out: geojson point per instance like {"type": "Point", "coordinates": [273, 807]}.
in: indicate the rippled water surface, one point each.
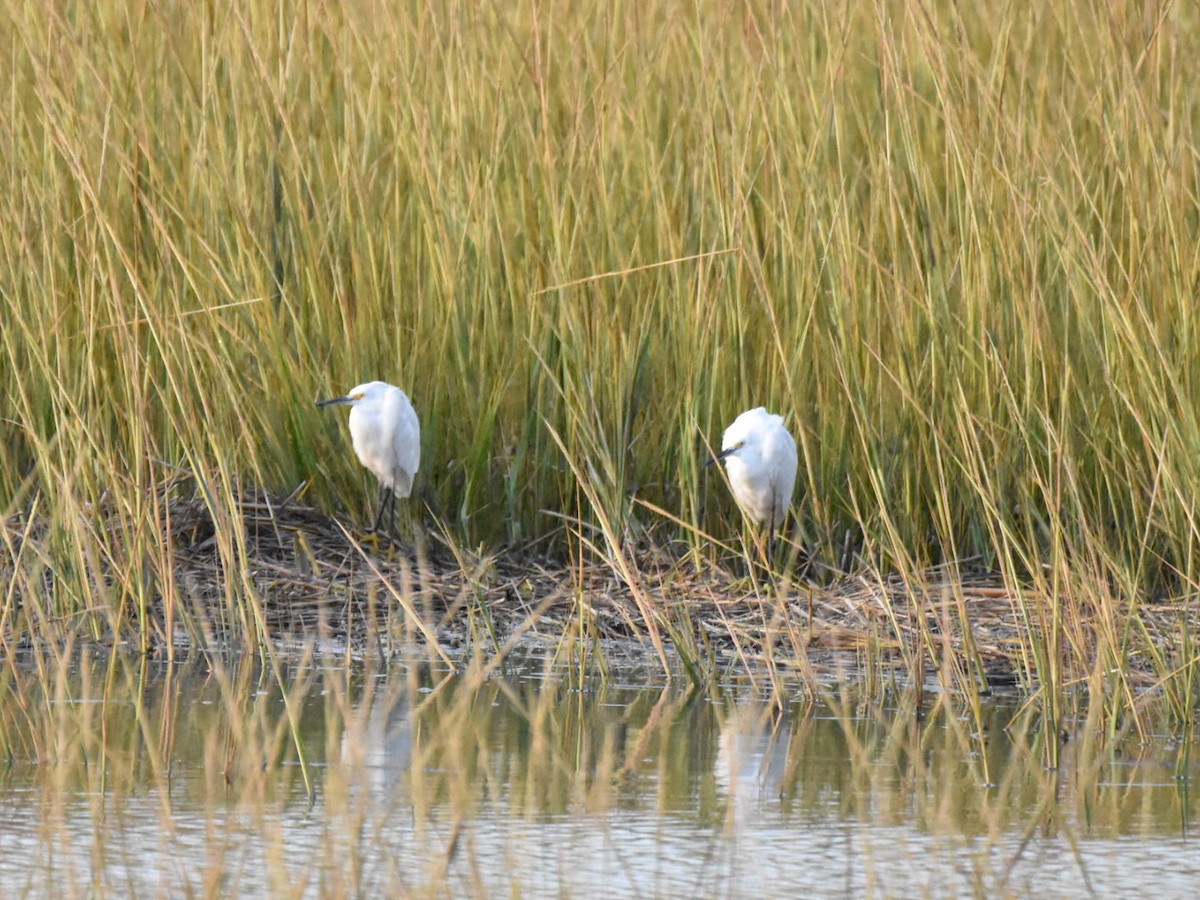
{"type": "Point", "coordinates": [327, 779]}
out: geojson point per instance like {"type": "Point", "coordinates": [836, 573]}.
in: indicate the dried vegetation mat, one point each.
{"type": "Point", "coordinates": [313, 575]}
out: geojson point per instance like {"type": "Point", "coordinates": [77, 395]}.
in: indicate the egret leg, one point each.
{"type": "Point", "coordinates": [771, 536]}
{"type": "Point", "coordinates": [383, 498]}
{"type": "Point", "coordinates": [391, 495]}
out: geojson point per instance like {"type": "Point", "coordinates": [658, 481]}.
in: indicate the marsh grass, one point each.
{"type": "Point", "coordinates": [955, 245]}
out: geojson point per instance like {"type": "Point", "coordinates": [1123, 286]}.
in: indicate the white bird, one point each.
{"type": "Point", "coordinates": [760, 459]}
{"type": "Point", "coordinates": [386, 437]}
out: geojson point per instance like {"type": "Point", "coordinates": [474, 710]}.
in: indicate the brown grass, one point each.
{"type": "Point", "coordinates": [313, 576]}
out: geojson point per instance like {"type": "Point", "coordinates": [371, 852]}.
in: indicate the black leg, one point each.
{"type": "Point", "coordinates": [392, 497]}
{"type": "Point", "coordinates": [383, 494]}
{"type": "Point", "coordinates": [771, 538]}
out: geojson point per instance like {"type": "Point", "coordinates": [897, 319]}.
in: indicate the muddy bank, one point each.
{"type": "Point", "coordinates": [316, 575]}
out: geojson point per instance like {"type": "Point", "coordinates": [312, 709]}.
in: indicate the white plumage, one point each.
{"type": "Point", "coordinates": [386, 436]}
{"type": "Point", "coordinates": [760, 459]}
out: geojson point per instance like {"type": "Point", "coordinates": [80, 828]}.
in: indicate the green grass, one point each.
{"type": "Point", "coordinates": [954, 244]}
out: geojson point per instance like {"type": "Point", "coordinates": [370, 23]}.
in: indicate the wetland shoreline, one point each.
{"type": "Point", "coordinates": [311, 575]}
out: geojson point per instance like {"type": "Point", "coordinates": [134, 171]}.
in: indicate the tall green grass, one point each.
{"type": "Point", "coordinates": [955, 244]}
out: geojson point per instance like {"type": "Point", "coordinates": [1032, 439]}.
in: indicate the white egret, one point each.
{"type": "Point", "coordinates": [760, 459]}
{"type": "Point", "coordinates": [386, 437]}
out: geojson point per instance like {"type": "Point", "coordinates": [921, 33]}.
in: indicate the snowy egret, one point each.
{"type": "Point", "coordinates": [386, 437]}
{"type": "Point", "coordinates": [760, 459]}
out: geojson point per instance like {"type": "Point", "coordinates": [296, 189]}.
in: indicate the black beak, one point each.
{"type": "Point", "coordinates": [720, 456]}
{"type": "Point", "coordinates": [334, 401]}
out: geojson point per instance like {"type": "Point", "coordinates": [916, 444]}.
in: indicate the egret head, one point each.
{"type": "Point", "coordinates": [356, 394]}
{"type": "Point", "coordinates": [746, 431]}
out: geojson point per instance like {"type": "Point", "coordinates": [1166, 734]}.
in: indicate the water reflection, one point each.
{"type": "Point", "coordinates": [378, 737]}
{"type": "Point", "coordinates": [317, 778]}
{"type": "Point", "coordinates": [752, 760]}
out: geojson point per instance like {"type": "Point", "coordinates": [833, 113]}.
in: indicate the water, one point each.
{"type": "Point", "coordinates": [125, 778]}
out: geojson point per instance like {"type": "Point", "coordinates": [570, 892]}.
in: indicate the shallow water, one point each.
{"type": "Point", "coordinates": [124, 777]}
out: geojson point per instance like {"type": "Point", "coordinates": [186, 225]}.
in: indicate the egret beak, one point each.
{"type": "Point", "coordinates": [335, 401]}
{"type": "Point", "coordinates": [720, 456]}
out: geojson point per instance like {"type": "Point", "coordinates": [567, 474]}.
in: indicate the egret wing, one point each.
{"type": "Point", "coordinates": [783, 470]}
{"type": "Point", "coordinates": [406, 441]}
